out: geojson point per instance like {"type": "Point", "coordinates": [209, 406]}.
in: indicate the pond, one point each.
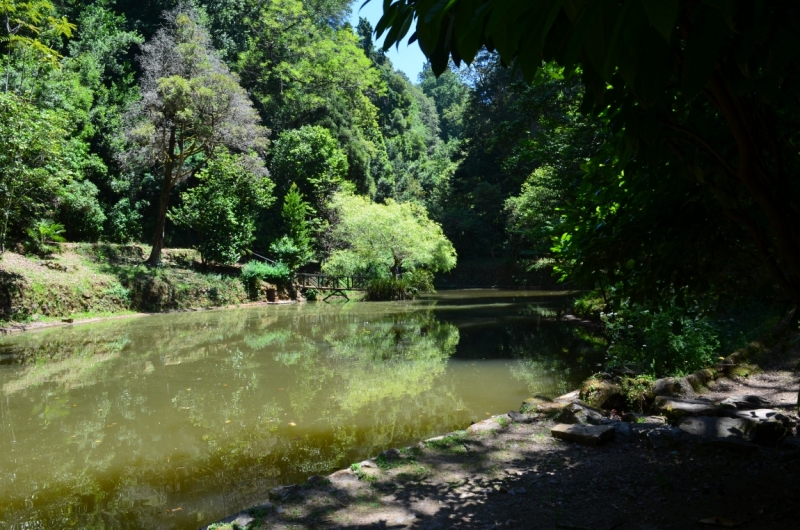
{"type": "Point", "coordinates": [177, 420]}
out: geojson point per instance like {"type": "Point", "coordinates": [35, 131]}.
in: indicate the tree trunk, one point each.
{"type": "Point", "coordinates": [161, 221]}
{"type": "Point", "coordinates": [163, 204]}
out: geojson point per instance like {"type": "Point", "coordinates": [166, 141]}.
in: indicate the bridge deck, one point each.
{"type": "Point", "coordinates": [333, 284]}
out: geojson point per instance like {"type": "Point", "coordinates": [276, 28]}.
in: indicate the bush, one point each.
{"type": "Point", "coordinates": [255, 271]}
{"type": "Point", "coordinates": [406, 287]}
{"type": "Point", "coordinates": [589, 305]}
{"type": "Point", "coordinates": [666, 341]}
{"type": "Point", "coordinates": [42, 234]}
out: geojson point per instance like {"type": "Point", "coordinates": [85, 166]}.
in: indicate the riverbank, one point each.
{"type": "Point", "coordinates": [509, 471]}
{"type": "Point", "coordinates": [84, 282]}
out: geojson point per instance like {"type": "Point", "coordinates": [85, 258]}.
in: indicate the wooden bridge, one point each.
{"type": "Point", "coordinates": [333, 285]}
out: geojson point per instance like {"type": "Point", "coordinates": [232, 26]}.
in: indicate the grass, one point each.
{"type": "Point", "coordinates": [449, 441]}
{"type": "Point", "coordinates": [101, 280]}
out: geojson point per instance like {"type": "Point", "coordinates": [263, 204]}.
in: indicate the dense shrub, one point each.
{"type": "Point", "coordinates": [406, 287]}
{"type": "Point", "coordinates": [589, 305]}
{"type": "Point", "coordinates": [255, 271]}
{"type": "Point", "coordinates": [665, 341]}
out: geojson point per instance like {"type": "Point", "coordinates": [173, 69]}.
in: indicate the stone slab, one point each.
{"type": "Point", "coordinates": [745, 402]}
{"type": "Point", "coordinates": [759, 415]}
{"type": "Point", "coordinates": [484, 426]}
{"type": "Point", "coordinates": [717, 427]}
{"type": "Point", "coordinates": [583, 434]}
{"type": "Point", "coordinates": [675, 408]}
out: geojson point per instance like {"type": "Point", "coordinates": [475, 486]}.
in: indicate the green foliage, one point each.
{"type": "Point", "coordinates": [80, 211]}
{"type": "Point", "coordinates": [223, 207]}
{"type": "Point", "coordinates": [406, 287]}
{"type": "Point", "coordinates": [191, 105]}
{"type": "Point", "coordinates": [669, 341]}
{"type": "Point", "coordinates": [386, 238]}
{"type": "Point", "coordinates": [700, 99]}
{"type": "Point", "coordinates": [255, 271]}
{"type": "Point", "coordinates": [43, 234]}
{"type": "Point", "coordinates": [310, 159]}
{"type": "Point", "coordinates": [303, 72]}
{"type": "Point", "coordinates": [24, 22]}
{"type": "Point", "coordinates": [32, 162]}
{"type": "Point", "coordinates": [589, 305]}
{"type": "Point", "coordinates": [125, 221]}
{"type": "Point", "coordinates": [295, 248]}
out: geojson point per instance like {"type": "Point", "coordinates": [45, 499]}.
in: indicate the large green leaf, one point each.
{"type": "Point", "coordinates": [663, 15]}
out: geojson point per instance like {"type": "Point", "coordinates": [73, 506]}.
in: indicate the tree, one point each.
{"type": "Point", "coordinates": [295, 248]}
{"type": "Point", "coordinates": [309, 158]}
{"type": "Point", "coordinates": [23, 22]}
{"type": "Point", "coordinates": [32, 161]}
{"type": "Point", "coordinates": [450, 94]}
{"type": "Point", "coordinates": [710, 87]}
{"type": "Point", "coordinates": [386, 238]}
{"type": "Point", "coordinates": [223, 207]}
{"type": "Point", "coordinates": [191, 104]}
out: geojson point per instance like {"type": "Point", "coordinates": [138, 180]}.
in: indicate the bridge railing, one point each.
{"type": "Point", "coordinates": [326, 282]}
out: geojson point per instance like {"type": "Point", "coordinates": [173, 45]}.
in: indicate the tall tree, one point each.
{"type": "Point", "coordinates": [191, 104]}
{"type": "Point", "coordinates": [223, 208]}
{"type": "Point", "coordinates": [711, 87]}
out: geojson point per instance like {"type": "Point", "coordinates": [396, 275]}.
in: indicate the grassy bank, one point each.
{"type": "Point", "coordinates": [88, 280]}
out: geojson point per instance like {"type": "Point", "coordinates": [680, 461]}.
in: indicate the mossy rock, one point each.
{"type": "Point", "coordinates": [638, 392]}
{"type": "Point", "coordinates": [542, 404]}
{"type": "Point", "coordinates": [603, 394]}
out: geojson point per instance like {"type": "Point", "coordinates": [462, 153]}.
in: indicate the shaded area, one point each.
{"type": "Point", "coordinates": [519, 477]}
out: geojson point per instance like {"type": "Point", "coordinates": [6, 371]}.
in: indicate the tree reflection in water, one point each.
{"type": "Point", "coordinates": [175, 420]}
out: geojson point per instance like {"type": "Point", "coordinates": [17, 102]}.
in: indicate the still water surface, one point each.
{"type": "Point", "coordinates": [174, 421]}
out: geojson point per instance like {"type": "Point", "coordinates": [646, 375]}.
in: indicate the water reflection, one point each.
{"type": "Point", "coordinates": [173, 421]}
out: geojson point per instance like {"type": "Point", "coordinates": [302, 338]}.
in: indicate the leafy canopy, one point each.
{"type": "Point", "coordinates": [707, 89]}
{"type": "Point", "coordinates": [223, 208]}
{"type": "Point", "coordinates": [386, 238]}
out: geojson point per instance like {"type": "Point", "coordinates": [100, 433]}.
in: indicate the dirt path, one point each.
{"type": "Point", "coordinates": [504, 474]}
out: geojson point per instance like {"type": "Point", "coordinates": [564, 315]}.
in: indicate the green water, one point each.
{"type": "Point", "coordinates": [174, 421]}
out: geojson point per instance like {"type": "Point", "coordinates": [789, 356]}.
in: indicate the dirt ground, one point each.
{"type": "Point", "coordinates": [502, 474]}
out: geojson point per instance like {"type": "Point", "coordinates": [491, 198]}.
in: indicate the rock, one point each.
{"type": "Point", "coordinates": [745, 402]}
{"type": "Point", "coordinates": [771, 427]}
{"type": "Point", "coordinates": [391, 455]}
{"type": "Point", "coordinates": [760, 415]}
{"type": "Point", "coordinates": [603, 394]}
{"type": "Point", "coordinates": [516, 417]}
{"type": "Point", "coordinates": [661, 436]}
{"type": "Point", "coordinates": [675, 408]}
{"type": "Point", "coordinates": [580, 412]}
{"type": "Point", "coordinates": [484, 426]}
{"type": "Point", "coordinates": [669, 386]}
{"type": "Point", "coordinates": [657, 440]}
{"type": "Point", "coordinates": [541, 404]}
{"type": "Point", "coordinates": [583, 434]}
{"type": "Point", "coordinates": [714, 427]}
{"type": "Point", "coordinates": [622, 427]}
{"type": "Point", "coordinates": [316, 481]}
{"type": "Point", "coordinates": [568, 397]}
{"type": "Point", "coordinates": [629, 417]}
{"type": "Point", "coordinates": [284, 492]}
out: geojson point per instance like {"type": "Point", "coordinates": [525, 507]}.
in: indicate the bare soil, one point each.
{"type": "Point", "coordinates": [500, 474]}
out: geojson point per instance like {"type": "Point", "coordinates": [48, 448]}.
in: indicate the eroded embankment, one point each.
{"type": "Point", "coordinates": [86, 281]}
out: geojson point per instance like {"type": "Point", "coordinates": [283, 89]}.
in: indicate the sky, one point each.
{"type": "Point", "coordinates": [408, 59]}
